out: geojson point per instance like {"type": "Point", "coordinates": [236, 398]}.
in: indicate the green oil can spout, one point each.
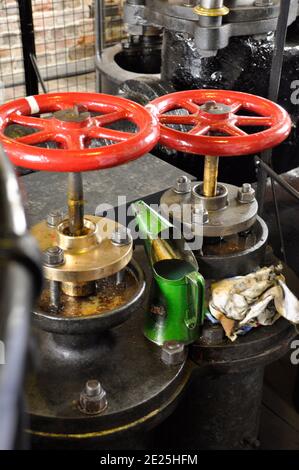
{"type": "Point", "coordinates": [177, 301]}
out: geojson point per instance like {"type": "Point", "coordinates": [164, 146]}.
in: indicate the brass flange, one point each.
{"type": "Point", "coordinates": [88, 257]}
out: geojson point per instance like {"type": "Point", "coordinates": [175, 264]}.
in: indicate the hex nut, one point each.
{"type": "Point", "coordinates": [215, 108]}
{"type": "Point", "coordinates": [54, 218]}
{"type": "Point", "coordinates": [183, 185]}
{"type": "Point", "coordinates": [263, 3]}
{"type": "Point", "coordinates": [212, 334]}
{"type": "Point", "coordinates": [246, 194]}
{"type": "Point", "coordinates": [93, 398]}
{"type": "Point", "coordinates": [173, 353]}
{"type": "Point", "coordinates": [53, 256]}
{"type": "Point", "coordinates": [121, 236]}
{"type": "Point", "coordinates": [200, 215]}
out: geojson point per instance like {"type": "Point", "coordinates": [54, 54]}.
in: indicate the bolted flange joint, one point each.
{"type": "Point", "coordinates": [93, 398]}
{"type": "Point", "coordinates": [173, 353]}
{"type": "Point", "coordinates": [246, 194]}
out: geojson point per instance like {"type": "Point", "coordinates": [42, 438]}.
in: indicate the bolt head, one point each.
{"type": "Point", "coordinates": [200, 215]}
{"type": "Point", "coordinates": [93, 398]}
{"type": "Point", "coordinates": [209, 105]}
{"type": "Point", "coordinates": [212, 334]}
{"type": "Point", "coordinates": [93, 388]}
{"type": "Point", "coordinates": [213, 107]}
{"type": "Point", "coordinates": [183, 185]}
{"type": "Point", "coordinates": [246, 194]}
{"type": "Point", "coordinates": [173, 353]}
{"type": "Point", "coordinates": [246, 187]}
{"type": "Point", "coordinates": [121, 236]}
{"type": "Point", "coordinates": [205, 216]}
{"type": "Point", "coordinates": [53, 256]}
{"type": "Point", "coordinates": [54, 218]}
{"type": "Point", "coordinates": [263, 3]}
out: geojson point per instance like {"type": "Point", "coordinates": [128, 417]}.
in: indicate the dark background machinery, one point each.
{"type": "Point", "coordinates": [230, 51]}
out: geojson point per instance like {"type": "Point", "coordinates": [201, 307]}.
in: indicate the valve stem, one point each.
{"type": "Point", "coordinates": [210, 176]}
{"type": "Point", "coordinates": [75, 204]}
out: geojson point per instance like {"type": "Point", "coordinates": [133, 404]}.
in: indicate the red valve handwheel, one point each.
{"type": "Point", "coordinates": [216, 128]}
{"type": "Point", "coordinates": [74, 135]}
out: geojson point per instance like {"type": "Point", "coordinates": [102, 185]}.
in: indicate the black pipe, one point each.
{"type": "Point", "coordinates": [38, 73]}
{"type": "Point", "coordinates": [20, 284]}
{"type": "Point", "coordinates": [16, 303]}
{"type": "Point", "coordinates": [100, 37]}
{"type": "Point", "coordinates": [28, 44]}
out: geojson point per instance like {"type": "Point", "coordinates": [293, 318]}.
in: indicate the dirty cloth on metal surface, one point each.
{"type": "Point", "coordinates": [258, 299]}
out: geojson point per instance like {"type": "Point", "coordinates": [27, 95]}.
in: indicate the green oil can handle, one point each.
{"type": "Point", "coordinates": [195, 297]}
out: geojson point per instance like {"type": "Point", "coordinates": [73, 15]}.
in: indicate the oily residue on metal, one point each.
{"type": "Point", "coordinates": [108, 297]}
{"type": "Point", "coordinates": [229, 245]}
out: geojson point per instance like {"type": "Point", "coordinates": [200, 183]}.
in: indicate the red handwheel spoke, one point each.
{"type": "Point", "coordinates": [111, 134]}
{"type": "Point", "coordinates": [200, 129]}
{"type": "Point", "coordinates": [178, 119]}
{"type": "Point", "coordinates": [232, 130]}
{"type": "Point", "coordinates": [254, 121]}
{"type": "Point", "coordinates": [192, 107]}
{"type": "Point", "coordinates": [73, 140]}
{"type": "Point", "coordinates": [29, 121]}
{"type": "Point", "coordinates": [110, 117]}
{"type": "Point", "coordinates": [235, 106]}
{"type": "Point", "coordinates": [35, 138]}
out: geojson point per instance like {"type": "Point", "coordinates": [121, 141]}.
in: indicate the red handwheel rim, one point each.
{"type": "Point", "coordinates": [233, 140]}
{"type": "Point", "coordinates": [73, 136]}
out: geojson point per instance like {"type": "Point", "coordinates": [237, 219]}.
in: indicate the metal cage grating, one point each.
{"type": "Point", "coordinates": [64, 33]}
{"type": "Point", "coordinates": [11, 52]}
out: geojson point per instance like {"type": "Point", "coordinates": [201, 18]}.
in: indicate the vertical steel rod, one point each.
{"type": "Point", "coordinates": [278, 221]}
{"type": "Point", "coordinates": [75, 204]}
{"type": "Point", "coordinates": [38, 73]}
